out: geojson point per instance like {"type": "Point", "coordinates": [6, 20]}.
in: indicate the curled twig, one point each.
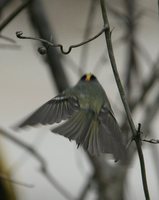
{"type": "Point", "coordinates": [42, 50]}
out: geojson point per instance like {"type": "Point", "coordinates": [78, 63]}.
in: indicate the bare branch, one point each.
{"type": "Point", "coordinates": [123, 97]}
{"type": "Point", "coordinates": [39, 21]}
{"type": "Point", "coordinates": [14, 14]}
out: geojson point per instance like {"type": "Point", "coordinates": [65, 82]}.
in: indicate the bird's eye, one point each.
{"type": "Point", "coordinates": [92, 77]}
{"type": "Point", "coordinates": [84, 77]}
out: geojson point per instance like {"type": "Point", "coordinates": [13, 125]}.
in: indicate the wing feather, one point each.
{"type": "Point", "coordinates": [110, 136]}
{"type": "Point", "coordinates": [54, 111]}
{"type": "Point", "coordinates": [75, 128]}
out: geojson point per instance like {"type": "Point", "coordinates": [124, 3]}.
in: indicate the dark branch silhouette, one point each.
{"type": "Point", "coordinates": [123, 97]}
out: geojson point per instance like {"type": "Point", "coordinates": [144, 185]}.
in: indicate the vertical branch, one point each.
{"type": "Point", "coordinates": [131, 65]}
{"type": "Point", "coordinates": [123, 97]}
{"type": "Point", "coordinates": [40, 23]}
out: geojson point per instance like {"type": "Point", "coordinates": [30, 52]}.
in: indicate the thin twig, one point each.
{"type": "Point", "coordinates": [43, 165]}
{"type": "Point", "coordinates": [30, 149]}
{"type": "Point", "coordinates": [152, 141]}
{"type": "Point", "coordinates": [23, 158]}
{"type": "Point", "coordinates": [19, 34]}
{"type": "Point", "coordinates": [14, 14]}
{"type": "Point", "coordinates": [123, 97]}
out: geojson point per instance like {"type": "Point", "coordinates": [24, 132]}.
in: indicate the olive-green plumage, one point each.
{"type": "Point", "coordinates": [90, 95]}
{"type": "Point", "coordinates": [89, 118]}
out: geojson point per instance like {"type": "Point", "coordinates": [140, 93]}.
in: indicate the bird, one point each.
{"type": "Point", "coordinates": [87, 115]}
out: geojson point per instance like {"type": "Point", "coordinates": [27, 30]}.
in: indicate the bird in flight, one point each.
{"type": "Point", "coordinates": [89, 119]}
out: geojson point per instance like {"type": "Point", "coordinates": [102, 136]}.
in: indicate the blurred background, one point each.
{"type": "Point", "coordinates": [28, 79]}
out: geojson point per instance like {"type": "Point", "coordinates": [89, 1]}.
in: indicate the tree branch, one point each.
{"type": "Point", "coordinates": [41, 25]}
{"type": "Point", "coordinates": [123, 97]}
{"type": "Point", "coordinates": [14, 14]}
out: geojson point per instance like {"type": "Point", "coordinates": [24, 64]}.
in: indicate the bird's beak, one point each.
{"type": "Point", "coordinates": [88, 77]}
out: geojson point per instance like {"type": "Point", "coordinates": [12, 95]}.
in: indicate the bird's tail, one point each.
{"type": "Point", "coordinates": [76, 127]}
{"type": "Point", "coordinates": [87, 130]}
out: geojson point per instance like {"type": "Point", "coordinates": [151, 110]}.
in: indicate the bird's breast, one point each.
{"type": "Point", "coordinates": [90, 95]}
{"type": "Point", "coordinates": [90, 101]}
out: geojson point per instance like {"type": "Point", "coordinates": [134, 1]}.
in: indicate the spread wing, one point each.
{"type": "Point", "coordinates": [110, 136]}
{"type": "Point", "coordinates": [76, 127]}
{"type": "Point", "coordinates": [97, 135]}
{"type": "Point", "coordinates": [57, 109]}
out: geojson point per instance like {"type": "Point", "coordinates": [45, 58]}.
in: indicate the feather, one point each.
{"type": "Point", "coordinates": [75, 127]}
{"type": "Point", "coordinates": [110, 136]}
{"type": "Point", "coordinates": [92, 139]}
{"type": "Point", "coordinates": [57, 109]}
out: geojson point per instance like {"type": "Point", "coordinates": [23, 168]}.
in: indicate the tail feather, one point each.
{"type": "Point", "coordinates": [95, 136]}
{"type": "Point", "coordinates": [76, 127]}
{"type": "Point", "coordinates": [91, 141]}
{"type": "Point", "coordinates": [111, 142]}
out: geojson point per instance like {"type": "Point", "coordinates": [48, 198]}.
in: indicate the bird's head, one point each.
{"type": "Point", "coordinates": [88, 77]}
